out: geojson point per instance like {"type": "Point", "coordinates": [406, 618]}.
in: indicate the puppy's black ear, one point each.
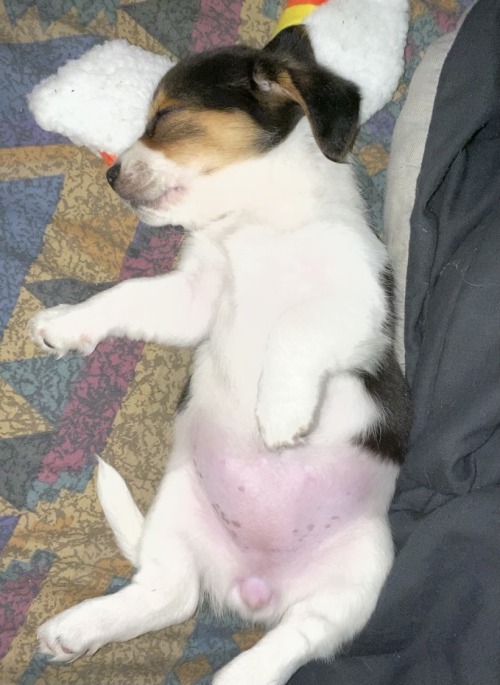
{"type": "Point", "coordinates": [287, 69]}
{"type": "Point", "coordinates": [292, 44]}
{"type": "Point", "coordinates": [332, 106]}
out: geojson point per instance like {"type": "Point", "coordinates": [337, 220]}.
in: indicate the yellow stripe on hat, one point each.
{"type": "Point", "coordinates": [292, 16]}
{"type": "Point", "coordinates": [295, 12]}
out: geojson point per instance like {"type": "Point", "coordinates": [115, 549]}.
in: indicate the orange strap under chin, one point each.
{"type": "Point", "coordinates": [108, 157]}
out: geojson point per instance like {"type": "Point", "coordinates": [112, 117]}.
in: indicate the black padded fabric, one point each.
{"type": "Point", "coordinates": [438, 619]}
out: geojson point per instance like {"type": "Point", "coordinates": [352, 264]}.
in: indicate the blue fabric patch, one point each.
{"type": "Point", "coordinates": [26, 207]}
{"type": "Point", "coordinates": [28, 450]}
{"type": "Point", "coordinates": [38, 381]}
{"type": "Point", "coordinates": [21, 68]}
{"type": "Point", "coordinates": [213, 639]}
{"type": "Point", "coordinates": [171, 23]}
{"type": "Point", "coordinates": [55, 9]}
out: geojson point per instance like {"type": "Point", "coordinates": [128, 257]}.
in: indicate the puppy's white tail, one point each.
{"type": "Point", "coordinates": [122, 513]}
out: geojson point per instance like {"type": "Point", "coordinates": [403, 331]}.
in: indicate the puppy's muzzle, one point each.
{"type": "Point", "coordinates": [134, 185]}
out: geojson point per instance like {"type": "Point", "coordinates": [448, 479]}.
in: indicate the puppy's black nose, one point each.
{"type": "Point", "coordinates": [112, 174]}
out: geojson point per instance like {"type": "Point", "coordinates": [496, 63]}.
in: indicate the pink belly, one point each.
{"type": "Point", "coordinates": [275, 504]}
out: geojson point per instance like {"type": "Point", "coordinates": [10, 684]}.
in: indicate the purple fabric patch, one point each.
{"type": "Point", "coordinates": [7, 526]}
{"type": "Point", "coordinates": [217, 24]}
{"type": "Point", "coordinates": [22, 66]}
{"type": "Point", "coordinates": [19, 585]}
{"type": "Point", "coordinates": [87, 420]}
{"type": "Point", "coordinates": [105, 377]}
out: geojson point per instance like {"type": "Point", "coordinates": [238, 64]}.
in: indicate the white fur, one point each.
{"type": "Point", "coordinates": [279, 293]}
{"type": "Point", "coordinates": [101, 99]}
{"type": "Point", "coordinates": [279, 289]}
{"type": "Point", "coordinates": [121, 511]}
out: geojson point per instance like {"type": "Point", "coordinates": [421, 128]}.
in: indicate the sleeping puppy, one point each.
{"type": "Point", "coordinates": [290, 436]}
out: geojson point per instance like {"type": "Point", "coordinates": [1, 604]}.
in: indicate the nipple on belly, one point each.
{"type": "Point", "coordinates": [255, 592]}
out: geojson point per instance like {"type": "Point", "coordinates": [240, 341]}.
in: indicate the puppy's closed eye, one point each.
{"type": "Point", "coordinates": [159, 115]}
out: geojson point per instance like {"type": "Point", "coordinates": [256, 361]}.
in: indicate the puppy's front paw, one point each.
{"type": "Point", "coordinates": [283, 422]}
{"type": "Point", "coordinates": [65, 638]}
{"type": "Point", "coordinates": [66, 327]}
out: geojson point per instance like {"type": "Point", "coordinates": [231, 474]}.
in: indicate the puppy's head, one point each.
{"type": "Point", "coordinates": [228, 105]}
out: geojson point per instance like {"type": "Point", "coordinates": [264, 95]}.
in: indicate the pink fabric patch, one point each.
{"type": "Point", "coordinates": [17, 594]}
{"type": "Point", "coordinates": [446, 22]}
{"type": "Point", "coordinates": [104, 380]}
{"type": "Point", "coordinates": [217, 25]}
{"type": "Point", "coordinates": [87, 420]}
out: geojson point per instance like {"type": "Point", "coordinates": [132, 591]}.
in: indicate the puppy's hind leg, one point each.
{"type": "Point", "coordinates": [337, 607]}
{"type": "Point", "coordinates": [310, 630]}
{"type": "Point", "coordinates": [164, 591]}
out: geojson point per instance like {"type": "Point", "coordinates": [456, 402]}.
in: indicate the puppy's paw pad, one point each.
{"type": "Point", "coordinates": [278, 437]}
{"type": "Point", "coordinates": [57, 652]}
{"type": "Point", "coordinates": [61, 329]}
{"type": "Point", "coordinates": [51, 643]}
{"type": "Point", "coordinates": [74, 632]}
{"type": "Point", "coordinates": [282, 422]}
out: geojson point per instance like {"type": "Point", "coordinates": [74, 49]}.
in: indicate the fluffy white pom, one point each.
{"type": "Point", "coordinates": [101, 99]}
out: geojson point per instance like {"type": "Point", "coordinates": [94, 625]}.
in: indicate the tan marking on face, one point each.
{"type": "Point", "coordinates": [206, 139]}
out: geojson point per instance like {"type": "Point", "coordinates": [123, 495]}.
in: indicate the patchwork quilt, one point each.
{"type": "Point", "coordinates": [64, 235]}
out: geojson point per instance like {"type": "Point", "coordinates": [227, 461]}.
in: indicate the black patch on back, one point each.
{"type": "Point", "coordinates": [388, 387]}
{"type": "Point", "coordinates": [389, 436]}
{"type": "Point", "coordinates": [387, 283]}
